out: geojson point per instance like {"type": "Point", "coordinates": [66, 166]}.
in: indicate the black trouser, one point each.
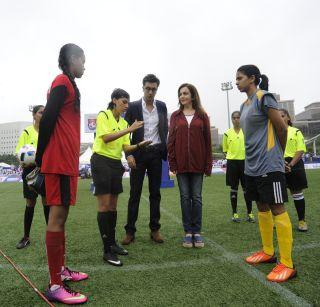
{"type": "Point", "coordinates": [151, 162]}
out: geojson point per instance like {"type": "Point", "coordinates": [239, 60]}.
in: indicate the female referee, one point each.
{"type": "Point", "coordinates": [58, 156]}
{"type": "Point", "coordinates": [112, 137]}
{"type": "Point", "coordinates": [295, 175]}
{"type": "Point", "coordinates": [265, 140]}
{"type": "Point", "coordinates": [233, 146]}
{"type": "Point", "coordinates": [29, 136]}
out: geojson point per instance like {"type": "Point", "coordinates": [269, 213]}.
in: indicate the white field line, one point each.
{"type": "Point", "coordinates": [127, 268]}
{"type": "Point", "coordinates": [307, 246]}
{"type": "Point", "coordinates": [300, 247]}
{"type": "Point", "coordinates": [281, 291]}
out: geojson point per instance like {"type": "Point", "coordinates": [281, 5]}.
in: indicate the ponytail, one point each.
{"type": "Point", "coordinates": [259, 79]}
{"type": "Point", "coordinates": [66, 52]}
{"type": "Point", "coordinates": [111, 105]}
{"type": "Point", "coordinates": [264, 84]}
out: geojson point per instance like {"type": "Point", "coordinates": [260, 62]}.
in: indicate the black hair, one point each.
{"type": "Point", "coordinates": [117, 94]}
{"type": "Point", "coordinates": [36, 108]}
{"type": "Point", "coordinates": [151, 79]}
{"type": "Point", "coordinates": [288, 115]}
{"type": "Point", "coordinates": [65, 54]}
{"type": "Point", "coordinates": [234, 112]}
{"type": "Point", "coordinates": [260, 80]}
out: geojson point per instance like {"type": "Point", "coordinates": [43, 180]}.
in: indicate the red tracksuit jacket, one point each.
{"type": "Point", "coordinates": [189, 147]}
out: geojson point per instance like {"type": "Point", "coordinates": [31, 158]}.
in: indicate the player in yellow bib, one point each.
{"type": "Point", "coordinates": [29, 136]}
{"type": "Point", "coordinates": [234, 148]}
{"type": "Point", "coordinates": [112, 138]}
{"type": "Point", "coordinates": [295, 173]}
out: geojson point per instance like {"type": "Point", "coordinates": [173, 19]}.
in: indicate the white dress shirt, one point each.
{"type": "Point", "coordinates": [151, 123]}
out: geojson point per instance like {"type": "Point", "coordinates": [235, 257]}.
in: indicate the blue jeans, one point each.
{"type": "Point", "coordinates": [190, 186]}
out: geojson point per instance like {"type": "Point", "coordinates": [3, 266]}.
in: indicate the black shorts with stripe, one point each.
{"type": "Point", "coordinates": [296, 179]}
{"type": "Point", "coordinates": [107, 175]}
{"type": "Point", "coordinates": [235, 173]}
{"type": "Point", "coordinates": [268, 189]}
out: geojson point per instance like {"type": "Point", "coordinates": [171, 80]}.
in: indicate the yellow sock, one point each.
{"type": "Point", "coordinates": [284, 234]}
{"type": "Point", "coordinates": [266, 231]}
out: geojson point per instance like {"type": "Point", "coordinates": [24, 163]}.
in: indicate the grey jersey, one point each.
{"type": "Point", "coordinates": [263, 150]}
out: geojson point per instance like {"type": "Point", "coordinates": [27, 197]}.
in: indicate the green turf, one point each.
{"type": "Point", "coordinates": [167, 274]}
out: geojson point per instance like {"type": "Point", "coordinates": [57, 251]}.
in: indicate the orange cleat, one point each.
{"type": "Point", "coordinates": [261, 257]}
{"type": "Point", "coordinates": [281, 273]}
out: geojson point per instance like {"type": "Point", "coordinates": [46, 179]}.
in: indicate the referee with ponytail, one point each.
{"type": "Point", "coordinates": [112, 138]}
{"type": "Point", "coordinates": [29, 136]}
{"type": "Point", "coordinates": [295, 173]}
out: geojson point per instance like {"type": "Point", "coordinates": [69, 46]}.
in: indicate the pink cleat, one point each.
{"type": "Point", "coordinates": [69, 275]}
{"type": "Point", "coordinates": [63, 294]}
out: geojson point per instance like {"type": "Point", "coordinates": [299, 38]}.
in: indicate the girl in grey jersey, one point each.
{"type": "Point", "coordinates": [265, 140]}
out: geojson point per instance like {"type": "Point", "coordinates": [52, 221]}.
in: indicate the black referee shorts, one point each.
{"type": "Point", "coordinates": [296, 179]}
{"type": "Point", "coordinates": [268, 189]}
{"type": "Point", "coordinates": [107, 175]}
{"type": "Point", "coordinates": [235, 173]}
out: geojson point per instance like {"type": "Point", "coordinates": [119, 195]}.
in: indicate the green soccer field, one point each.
{"type": "Point", "coordinates": [166, 274]}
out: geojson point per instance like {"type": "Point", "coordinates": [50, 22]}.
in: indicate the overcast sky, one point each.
{"type": "Point", "coordinates": [200, 42]}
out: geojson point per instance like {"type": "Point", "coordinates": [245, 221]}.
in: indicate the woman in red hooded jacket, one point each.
{"type": "Point", "coordinates": [190, 157]}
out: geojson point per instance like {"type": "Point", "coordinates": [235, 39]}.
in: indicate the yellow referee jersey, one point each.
{"type": "Point", "coordinates": [29, 136]}
{"type": "Point", "coordinates": [106, 123]}
{"type": "Point", "coordinates": [295, 142]}
{"type": "Point", "coordinates": [233, 145]}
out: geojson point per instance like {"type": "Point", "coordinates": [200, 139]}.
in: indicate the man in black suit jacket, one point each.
{"type": "Point", "coordinates": [154, 114]}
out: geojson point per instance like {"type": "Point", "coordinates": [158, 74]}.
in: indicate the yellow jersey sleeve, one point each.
{"type": "Point", "coordinates": [126, 138]}
{"type": "Point", "coordinates": [103, 125]}
{"type": "Point", "coordinates": [301, 146]}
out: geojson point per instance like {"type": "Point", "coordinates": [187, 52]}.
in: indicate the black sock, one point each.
{"type": "Point", "coordinates": [112, 223]}
{"type": "Point", "coordinates": [28, 217]}
{"type": "Point", "coordinates": [234, 200]}
{"type": "Point", "coordinates": [102, 223]}
{"type": "Point", "coordinates": [46, 211]}
{"type": "Point", "coordinates": [300, 207]}
{"type": "Point", "coordinates": [248, 203]}
{"type": "Point", "coordinates": [107, 222]}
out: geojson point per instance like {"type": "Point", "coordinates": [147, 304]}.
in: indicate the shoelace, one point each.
{"type": "Point", "coordinates": [256, 254]}
{"type": "Point", "coordinates": [72, 272]}
{"type": "Point", "coordinates": [279, 268]}
{"type": "Point", "coordinates": [198, 238]}
{"type": "Point", "coordinates": [67, 289]}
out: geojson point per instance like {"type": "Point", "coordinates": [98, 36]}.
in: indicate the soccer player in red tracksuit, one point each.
{"type": "Point", "coordinates": [58, 156]}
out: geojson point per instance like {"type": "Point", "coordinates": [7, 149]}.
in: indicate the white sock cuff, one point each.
{"type": "Point", "coordinates": [298, 196]}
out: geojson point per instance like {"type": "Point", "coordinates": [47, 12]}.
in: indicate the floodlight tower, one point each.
{"type": "Point", "coordinates": [227, 86]}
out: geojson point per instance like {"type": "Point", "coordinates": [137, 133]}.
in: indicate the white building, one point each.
{"type": "Point", "coordinates": [286, 104]}
{"type": "Point", "coordinates": [9, 135]}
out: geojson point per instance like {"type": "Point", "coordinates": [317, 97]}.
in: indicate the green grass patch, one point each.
{"type": "Point", "coordinates": [166, 274]}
